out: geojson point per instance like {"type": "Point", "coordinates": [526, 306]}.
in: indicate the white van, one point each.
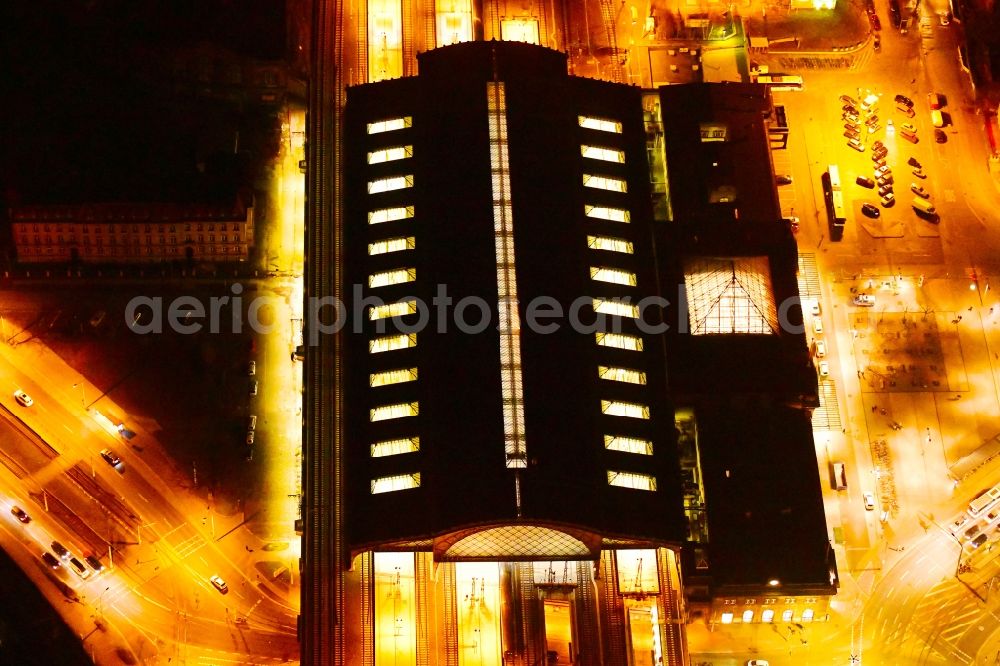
{"type": "Point", "coordinates": [923, 206]}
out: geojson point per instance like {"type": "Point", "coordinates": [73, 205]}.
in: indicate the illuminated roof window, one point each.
{"type": "Point", "coordinates": [390, 124]}
{"type": "Point", "coordinates": [607, 213]}
{"type": "Point", "coordinates": [391, 245]}
{"type": "Point", "coordinates": [388, 484]}
{"type": "Point", "coordinates": [612, 275]}
{"type": "Point", "coordinates": [599, 182]}
{"type": "Point", "coordinates": [395, 447]}
{"type": "Point", "coordinates": [616, 308]}
{"type": "Point", "coordinates": [390, 154]}
{"type": "Point", "coordinates": [786, 615]}
{"type": "Point", "coordinates": [397, 309]}
{"type": "Point", "coordinates": [619, 341]}
{"type": "Point", "coordinates": [609, 244]}
{"type": "Point", "coordinates": [603, 154]}
{"type": "Point", "coordinates": [728, 296]}
{"type": "Point", "coordinates": [632, 480]}
{"type": "Point", "coordinates": [747, 616]}
{"type": "Point", "coordinates": [389, 214]}
{"type": "Point", "coordinates": [389, 184]}
{"type": "Point", "coordinates": [615, 374]}
{"type": "Point", "coordinates": [643, 447]}
{"type": "Point", "coordinates": [387, 278]}
{"type": "Point", "coordinates": [600, 124]}
{"type": "Point", "coordinates": [397, 411]}
{"type": "Point", "coordinates": [387, 343]}
{"type": "Point", "coordinates": [632, 410]}
{"type": "Point", "coordinates": [727, 618]}
{"type": "Point", "coordinates": [767, 616]}
{"type": "Point", "coordinates": [392, 377]}
{"type": "Point", "coordinates": [807, 615]}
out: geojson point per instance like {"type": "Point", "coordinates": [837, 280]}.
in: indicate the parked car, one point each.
{"type": "Point", "coordinates": [824, 369]}
{"type": "Point", "coordinates": [940, 136]}
{"type": "Point", "coordinates": [249, 438]}
{"type": "Point", "coordinates": [51, 560]}
{"type": "Point", "coordinates": [60, 550]}
{"type": "Point", "coordinates": [864, 300]}
{"type": "Point", "coordinates": [884, 180]}
{"type": "Point", "coordinates": [906, 110]}
{"type": "Point", "coordinates": [978, 541]}
{"type": "Point", "coordinates": [919, 173]}
{"type": "Point", "coordinates": [935, 101]}
{"type": "Point", "coordinates": [889, 200]}
{"type": "Point", "coordinates": [95, 563]}
{"type": "Point", "coordinates": [865, 181]}
{"type": "Point", "coordinates": [884, 190]}
{"type": "Point", "coordinates": [870, 210]}
{"type": "Point", "coordinates": [20, 514]}
{"type": "Point", "coordinates": [253, 387]}
{"type": "Point", "coordinates": [909, 136]}
{"type": "Point", "coordinates": [252, 422]}
{"type": "Point", "coordinates": [23, 398]}
{"type": "Point", "coordinates": [937, 118]}
{"type": "Point", "coordinates": [882, 171]}
{"type": "Point", "coordinates": [852, 133]}
{"type": "Point", "coordinates": [903, 99]}
{"type": "Point", "coordinates": [252, 368]}
{"type": "Point", "coordinates": [76, 566]}
{"type": "Point", "coordinates": [879, 154]}
{"type": "Point", "coordinates": [913, 162]}
{"type": "Point", "coordinates": [869, 499]}
{"type": "Point", "coordinates": [818, 326]}
{"type": "Point", "coordinates": [847, 99]}
{"type": "Point", "coordinates": [856, 145]}
{"type": "Point", "coordinates": [219, 584]}
{"type": "Point", "coordinates": [959, 523]}
{"type": "Point", "coordinates": [781, 179]}
{"type": "Point", "coordinates": [971, 532]}
{"type": "Point", "coordinates": [111, 458]}
{"type": "Point", "coordinates": [920, 191]}
{"type": "Point", "coordinates": [908, 127]}
{"type": "Point", "coordinates": [820, 348]}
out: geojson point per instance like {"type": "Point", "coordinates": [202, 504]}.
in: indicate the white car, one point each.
{"type": "Point", "coordinates": [820, 348]}
{"type": "Point", "coordinates": [252, 368]}
{"type": "Point", "coordinates": [864, 300]}
{"type": "Point", "coordinates": [959, 523]}
{"type": "Point", "coordinates": [869, 501]}
{"type": "Point", "coordinates": [23, 398]}
{"type": "Point", "coordinates": [758, 662]}
{"type": "Point", "coordinates": [818, 326]}
{"type": "Point", "coordinates": [219, 584]}
{"type": "Point", "coordinates": [824, 369]}
{"type": "Point", "coordinates": [815, 309]}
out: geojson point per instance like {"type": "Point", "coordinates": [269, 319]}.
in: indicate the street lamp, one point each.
{"type": "Point", "coordinates": [100, 603]}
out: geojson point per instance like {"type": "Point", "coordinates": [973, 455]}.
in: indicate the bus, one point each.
{"type": "Point", "coordinates": [984, 501]}
{"type": "Point", "coordinates": [781, 82]}
{"type": "Point", "coordinates": [833, 196]}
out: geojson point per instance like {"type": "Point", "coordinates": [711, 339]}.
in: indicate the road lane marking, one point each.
{"type": "Point", "coordinates": [142, 498]}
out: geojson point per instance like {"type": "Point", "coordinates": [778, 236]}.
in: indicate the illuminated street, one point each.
{"type": "Point", "coordinates": [251, 498]}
